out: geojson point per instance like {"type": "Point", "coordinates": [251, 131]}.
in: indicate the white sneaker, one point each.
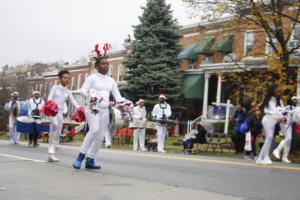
{"type": "Point", "coordinates": [144, 149]}
{"type": "Point", "coordinates": [162, 151]}
{"type": "Point", "coordinates": [52, 158]}
{"type": "Point", "coordinates": [285, 160]}
{"type": "Point", "coordinates": [268, 161]}
{"type": "Point", "coordinates": [276, 154]}
{"type": "Point", "coordinates": [260, 162]}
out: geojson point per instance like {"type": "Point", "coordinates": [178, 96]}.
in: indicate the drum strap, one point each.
{"type": "Point", "coordinates": [37, 103]}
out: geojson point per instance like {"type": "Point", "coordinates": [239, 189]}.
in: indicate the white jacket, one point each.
{"type": "Point", "coordinates": [139, 113]}
{"type": "Point", "coordinates": [160, 109]}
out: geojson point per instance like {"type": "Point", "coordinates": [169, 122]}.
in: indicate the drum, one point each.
{"type": "Point", "coordinates": [116, 120]}
{"type": "Point", "coordinates": [166, 122]}
{"type": "Point", "coordinates": [41, 127]}
{"type": "Point", "coordinates": [143, 124]}
{"type": "Point", "coordinates": [25, 124]}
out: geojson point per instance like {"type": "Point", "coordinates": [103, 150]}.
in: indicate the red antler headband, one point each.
{"type": "Point", "coordinates": [106, 47]}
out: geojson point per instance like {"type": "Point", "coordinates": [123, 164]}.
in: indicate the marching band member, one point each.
{"type": "Point", "coordinates": [59, 94]}
{"type": "Point", "coordinates": [274, 113]}
{"type": "Point", "coordinates": [97, 89]}
{"type": "Point", "coordinates": [139, 115]}
{"type": "Point", "coordinates": [13, 106]}
{"type": "Point", "coordinates": [162, 110]}
{"type": "Point", "coordinates": [34, 105]}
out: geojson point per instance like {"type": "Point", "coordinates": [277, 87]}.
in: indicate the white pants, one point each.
{"type": "Point", "coordinates": [139, 138]}
{"type": "Point", "coordinates": [161, 137]}
{"type": "Point", "coordinates": [269, 128]}
{"type": "Point", "coordinates": [98, 126]}
{"type": "Point", "coordinates": [108, 138]}
{"type": "Point", "coordinates": [14, 135]}
{"type": "Point", "coordinates": [56, 125]}
{"type": "Point", "coordinates": [286, 143]}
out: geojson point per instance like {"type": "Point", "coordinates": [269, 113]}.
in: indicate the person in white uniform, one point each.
{"type": "Point", "coordinates": [34, 104]}
{"type": "Point", "coordinates": [287, 130]}
{"type": "Point", "coordinates": [162, 110]}
{"type": "Point", "coordinates": [274, 113]}
{"type": "Point", "coordinates": [139, 116]}
{"type": "Point", "coordinates": [97, 89]}
{"type": "Point", "coordinates": [59, 94]}
{"type": "Point", "coordinates": [13, 106]}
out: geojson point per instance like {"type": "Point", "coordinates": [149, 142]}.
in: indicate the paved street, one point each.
{"type": "Point", "coordinates": [127, 175]}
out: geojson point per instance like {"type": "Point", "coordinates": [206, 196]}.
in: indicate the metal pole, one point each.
{"type": "Point", "coordinates": [226, 127]}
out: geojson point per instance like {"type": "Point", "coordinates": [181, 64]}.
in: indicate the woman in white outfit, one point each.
{"type": "Point", "coordinates": [139, 115]}
{"type": "Point", "coordinates": [97, 89]}
{"type": "Point", "coordinates": [287, 130]}
{"type": "Point", "coordinates": [59, 94]}
{"type": "Point", "coordinates": [13, 106]}
{"type": "Point", "coordinates": [273, 110]}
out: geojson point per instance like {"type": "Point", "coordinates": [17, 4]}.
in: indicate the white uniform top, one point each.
{"type": "Point", "coordinates": [7, 106]}
{"type": "Point", "coordinates": [59, 94]}
{"type": "Point", "coordinates": [160, 109]}
{"type": "Point", "coordinates": [103, 85]}
{"type": "Point", "coordinates": [34, 103]}
{"type": "Point", "coordinates": [273, 111]}
{"type": "Point", "coordinates": [139, 113]}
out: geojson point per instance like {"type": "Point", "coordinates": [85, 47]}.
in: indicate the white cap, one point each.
{"type": "Point", "coordinates": [139, 101]}
{"type": "Point", "coordinates": [36, 92]}
{"type": "Point", "coordinates": [295, 98]}
{"type": "Point", "coordinates": [164, 96]}
{"type": "Point", "coordinates": [15, 93]}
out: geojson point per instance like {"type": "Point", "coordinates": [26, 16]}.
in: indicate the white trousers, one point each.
{"type": "Point", "coordinates": [139, 138]}
{"type": "Point", "coordinates": [108, 138]}
{"type": "Point", "coordinates": [98, 126]}
{"type": "Point", "coordinates": [286, 143]}
{"type": "Point", "coordinates": [56, 125]}
{"type": "Point", "coordinates": [161, 135]}
{"type": "Point", "coordinates": [269, 128]}
{"type": "Point", "coordinates": [14, 136]}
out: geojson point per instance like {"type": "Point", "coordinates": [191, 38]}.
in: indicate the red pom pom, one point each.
{"type": "Point", "coordinates": [50, 108]}
{"type": "Point", "coordinates": [78, 115]}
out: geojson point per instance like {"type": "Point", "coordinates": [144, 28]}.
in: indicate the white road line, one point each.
{"type": "Point", "coordinates": [22, 158]}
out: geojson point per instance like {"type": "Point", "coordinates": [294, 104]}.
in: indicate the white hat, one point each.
{"type": "Point", "coordinates": [295, 98]}
{"type": "Point", "coordinates": [36, 92]}
{"type": "Point", "coordinates": [139, 101]}
{"type": "Point", "coordinates": [15, 93]}
{"type": "Point", "coordinates": [164, 96]}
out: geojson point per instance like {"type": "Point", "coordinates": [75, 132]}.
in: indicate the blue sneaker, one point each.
{"type": "Point", "coordinates": [90, 164]}
{"type": "Point", "coordinates": [78, 161]}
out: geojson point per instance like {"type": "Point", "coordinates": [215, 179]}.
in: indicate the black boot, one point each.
{"type": "Point", "coordinates": [90, 164]}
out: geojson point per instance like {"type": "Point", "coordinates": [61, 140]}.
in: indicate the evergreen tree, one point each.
{"type": "Point", "coordinates": [152, 63]}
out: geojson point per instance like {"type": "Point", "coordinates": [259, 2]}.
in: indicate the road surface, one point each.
{"type": "Point", "coordinates": [127, 175]}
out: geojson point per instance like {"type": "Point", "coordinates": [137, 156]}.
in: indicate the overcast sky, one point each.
{"type": "Point", "coordinates": [51, 30]}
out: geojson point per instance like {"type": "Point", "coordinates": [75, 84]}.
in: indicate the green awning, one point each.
{"type": "Point", "coordinates": [224, 44]}
{"type": "Point", "coordinates": [188, 53]}
{"type": "Point", "coordinates": [193, 86]}
{"type": "Point", "coordinates": [204, 46]}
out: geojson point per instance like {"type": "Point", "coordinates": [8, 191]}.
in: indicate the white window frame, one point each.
{"type": "Point", "coordinates": [111, 70]}
{"type": "Point", "coordinates": [72, 82]}
{"type": "Point", "coordinates": [246, 40]}
{"type": "Point", "coordinates": [79, 81]}
{"type": "Point", "coordinates": [120, 72]}
{"type": "Point", "coordinates": [269, 48]}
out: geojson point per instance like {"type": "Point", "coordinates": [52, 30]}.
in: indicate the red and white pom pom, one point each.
{"type": "Point", "coordinates": [50, 108]}
{"type": "Point", "coordinates": [78, 115]}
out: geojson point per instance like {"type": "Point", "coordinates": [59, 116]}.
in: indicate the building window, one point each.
{"type": "Point", "coordinates": [120, 72]}
{"type": "Point", "coordinates": [207, 59]}
{"type": "Point", "coordinates": [294, 39]}
{"type": "Point", "coordinates": [248, 42]}
{"type": "Point", "coordinates": [79, 81]}
{"type": "Point", "coordinates": [269, 48]}
{"type": "Point", "coordinates": [111, 71]}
